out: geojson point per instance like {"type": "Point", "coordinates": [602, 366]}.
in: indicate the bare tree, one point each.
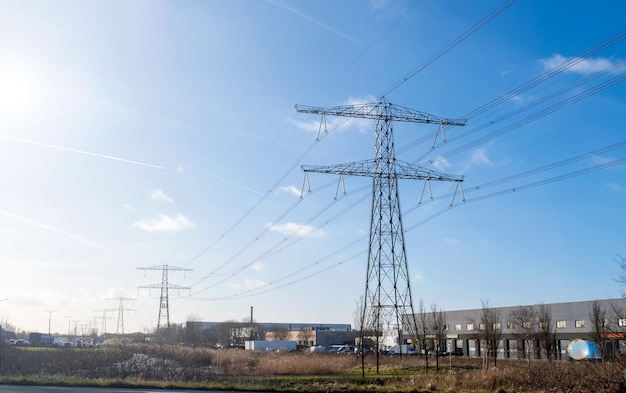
{"type": "Point", "coordinates": [306, 335]}
{"type": "Point", "coordinates": [357, 314]}
{"type": "Point", "coordinates": [423, 329]}
{"type": "Point", "coordinates": [491, 329]}
{"type": "Point", "coordinates": [438, 324]}
{"type": "Point", "coordinates": [280, 333]}
{"type": "Point", "coordinates": [619, 307]}
{"type": "Point", "coordinates": [192, 330]}
{"type": "Point", "coordinates": [546, 330]}
{"type": "Point", "coordinates": [599, 326]}
{"type": "Point", "coordinates": [621, 263]}
{"type": "Point", "coordinates": [227, 333]}
{"type": "Point", "coordinates": [524, 320]}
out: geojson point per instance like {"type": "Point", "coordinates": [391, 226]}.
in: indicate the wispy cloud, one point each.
{"type": "Point", "coordinates": [292, 228]}
{"type": "Point", "coordinates": [234, 184]}
{"type": "Point", "coordinates": [314, 21]}
{"type": "Point", "coordinates": [582, 66]}
{"type": "Point", "coordinates": [480, 156]}
{"type": "Point", "coordinates": [293, 190]}
{"type": "Point", "coordinates": [164, 223]}
{"type": "Point", "coordinates": [253, 283]}
{"type": "Point", "coordinates": [160, 195]}
{"type": "Point", "coordinates": [453, 241]}
{"type": "Point", "coordinates": [440, 163]}
{"type": "Point", "coordinates": [108, 157]}
{"type": "Point", "coordinates": [615, 186]}
{"type": "Point", "coordinates": [335, 123]}
{"type": "Point", "coordinates": [378, 4]}
{"type": "Point", "coordinates": [36, 224]}
{"type": "Point", "coordinates": [258, 266]}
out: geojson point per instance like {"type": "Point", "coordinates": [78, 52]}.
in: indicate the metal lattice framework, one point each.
{"type": "Point", "coordinates": [165, 286]}
{"type": "Point", "coordinates": [388, 296]}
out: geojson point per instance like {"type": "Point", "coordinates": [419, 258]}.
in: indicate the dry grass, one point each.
{"type": "Point", "coordinates": [240, 370]}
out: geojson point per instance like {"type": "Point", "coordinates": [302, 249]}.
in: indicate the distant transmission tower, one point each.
{"type": "Point", "coordinates": [387, 290]}
{"type": "Point", "coordinates": [104, 318]}
{"type": "Point", "coordinates": [120, 314]}
{"type": "Point", "coordinates": [165, 286]}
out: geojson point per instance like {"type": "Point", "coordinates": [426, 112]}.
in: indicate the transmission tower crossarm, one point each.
{"type": "Point", "coordinates": [165, 267]}
{"type": "Point", "coordinates": [368, 168]}
{"type": "Point", "coordinates": [164, 285]}
{"type": "Point", "coordinates": [380, 110]}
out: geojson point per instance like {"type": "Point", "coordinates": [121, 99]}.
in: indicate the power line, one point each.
{"type": "Point", "coordinates": [447, 48]}
{"type": "Point", "coordinates": [272, 286]}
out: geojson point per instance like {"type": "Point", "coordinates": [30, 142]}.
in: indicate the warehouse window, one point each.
{"type": "Point", "coordinates": [621, 322]}
{"type": "Point", "coordinates": [579, 323]}
{"type": "Point", "coordinates": [457, 326]}
{"type": "Point", "coordinates": [561, 324]}
{"type": "Point", "coordinates": [470, 326]}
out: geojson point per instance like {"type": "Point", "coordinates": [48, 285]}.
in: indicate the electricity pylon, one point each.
{"type": "Point", "coordinates": [104, 318]}
{"type": "Point", "coordinates": [120, 313]}
{"type": "Point", "coordinates": [388, 296]}
{"type": "Point", "coordinates": [165, 286]}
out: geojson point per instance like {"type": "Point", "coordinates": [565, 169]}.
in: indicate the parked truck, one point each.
{"type": "Point", "coordinates": [41, 340]}
{"type": "Point", "coordinates": [277, 346]}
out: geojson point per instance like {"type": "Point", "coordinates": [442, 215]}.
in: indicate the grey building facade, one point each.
{"type": "Point", "coordinates": [599, 321]}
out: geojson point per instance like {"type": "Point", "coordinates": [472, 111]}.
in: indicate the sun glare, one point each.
{"type": "Point", "coordinates": [18, 92]}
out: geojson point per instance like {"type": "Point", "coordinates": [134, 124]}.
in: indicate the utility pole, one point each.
{"type": "Point", "coordinates": [388, 296]}
{"type": "Point", "coordinates": [165, 286]}
{"type": "Point", "coordinates": [120, 313]}
{"type": "Point", "coordinates": [49, 319]}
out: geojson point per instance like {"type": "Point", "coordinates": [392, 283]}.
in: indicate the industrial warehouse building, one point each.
{"type": "Point", "coordinates": [464, 333]}
{"type": "Point", "coordinates": [305, 334]}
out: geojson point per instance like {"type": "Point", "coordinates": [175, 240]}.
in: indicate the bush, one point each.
{"type": "Point", "coordinates": [173, 365]}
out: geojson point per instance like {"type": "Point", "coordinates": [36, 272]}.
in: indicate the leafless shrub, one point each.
{"type": "Point", "coordinates": [175, 364]}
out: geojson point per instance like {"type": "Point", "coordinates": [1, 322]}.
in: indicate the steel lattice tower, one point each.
{"type": "Point", "coordinates": [120, 313]}
{"type": "Point", "coordinates": [387, 289]}
{"type": "Point", "coordinates": [165, 286]}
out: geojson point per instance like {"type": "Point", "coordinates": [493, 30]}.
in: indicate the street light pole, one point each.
{"type": "Point", "coordinates": [49, 318]}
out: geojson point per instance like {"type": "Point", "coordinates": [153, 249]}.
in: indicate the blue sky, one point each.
{"type": "Point", "coordinates": [144, 133]}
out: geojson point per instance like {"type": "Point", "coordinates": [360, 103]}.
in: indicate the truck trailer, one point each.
{"type": "Point", "coordinates": [277, 346]}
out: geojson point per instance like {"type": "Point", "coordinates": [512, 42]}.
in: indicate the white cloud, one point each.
{"type": "Point", "coordinates": [292, 228]}
{"type": "Point", "coordinates": [164, 223]}
{"type": "Point", "coordinates": [451, 241]}
{"type": "Point", "coordinates": [480, 156]}
{"type": "Point", "coordinates": [293, 190]}
{"type": "Point", "coordinates": [440, 163]}
{"type": "Point", "coordinates": [160, 195]}
{"type": "Point", "coordinates": [258, 266]}
{"type": "Point", "coordinates": [582, 66]}
{"type": "Point", "coordinates": [36, 224]}
{"type": "Point", "coordinates": [252, 283]}
{"type": "Point", "coordinates": [378, 4]}
{"type": "Point", "coordinates": [340, 123]}
{"type": "Point", "coordinates": [130, 207]}
{"type": "Point", "coordinates": [518, 100]}
{"type": "Point", "coordinates": [615, 186]}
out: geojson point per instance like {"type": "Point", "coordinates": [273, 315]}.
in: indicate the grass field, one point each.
{"type": "Point", "coordinates": [170, 366]}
